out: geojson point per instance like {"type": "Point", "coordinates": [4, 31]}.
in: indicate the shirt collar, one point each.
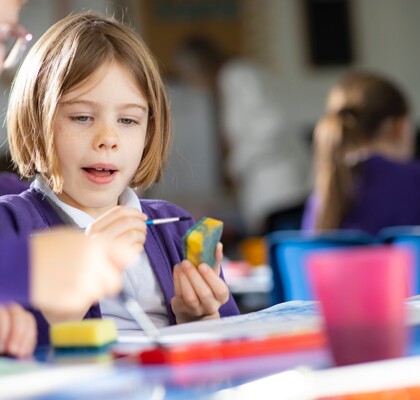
{"type": "Point", "coordinates": [127, 198]}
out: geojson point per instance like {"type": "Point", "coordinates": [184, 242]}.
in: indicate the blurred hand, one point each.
{"type": "Point", "coordinates": [70, 271]}
{"type": "Point", "coordinates": [199, 292]}
{"type": "Point", "coordinates": [18, 333]}
{"type": "Point", "coordinates": [123, 224]}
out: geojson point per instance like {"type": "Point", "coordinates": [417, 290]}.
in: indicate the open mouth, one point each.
{"type": "Point", "coordinates": [100, 171]}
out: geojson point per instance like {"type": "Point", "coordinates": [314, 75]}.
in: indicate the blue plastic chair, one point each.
{"type": "Point", "coordinates": [287, 252]}
{"type": "Point", "coordinates": [408, 237]}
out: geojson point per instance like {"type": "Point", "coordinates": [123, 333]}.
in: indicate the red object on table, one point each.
{"type": "Point", "coordinates": [233, 348]}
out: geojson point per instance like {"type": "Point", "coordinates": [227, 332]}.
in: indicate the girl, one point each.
{"type": "Point", "coordinates": [88, 115]}
{"type": "Point", "coordinates": [364, 177]}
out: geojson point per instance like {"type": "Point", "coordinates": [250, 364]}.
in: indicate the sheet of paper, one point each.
{"type": "Point", "coordinates": [285, 318]}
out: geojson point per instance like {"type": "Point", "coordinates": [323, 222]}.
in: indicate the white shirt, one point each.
{"type": "Point", "coordinates": [139, 280]}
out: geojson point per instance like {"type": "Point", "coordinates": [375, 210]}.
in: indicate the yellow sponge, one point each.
{"type": "Point", "coordinates": [201, 240]}
{"type": "Point", "coordinates": [93, 332]}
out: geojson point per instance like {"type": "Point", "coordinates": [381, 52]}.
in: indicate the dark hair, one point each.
{"type": "Point", "coordinates": [367, 100]}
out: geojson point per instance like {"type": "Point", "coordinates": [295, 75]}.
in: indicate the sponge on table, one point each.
{"type": "Point", "coordinates": [93, 332]}
{"type": "Point", "coordinates": [201, 240]}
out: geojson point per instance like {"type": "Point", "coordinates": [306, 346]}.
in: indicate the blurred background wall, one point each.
{"type": "Point", "coordinates": [381, 35]}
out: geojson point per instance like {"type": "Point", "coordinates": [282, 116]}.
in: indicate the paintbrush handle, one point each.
{"type": "Point", "coordinates": [165, 220]}
{"type": "Point", "coordinates": [141, 318]}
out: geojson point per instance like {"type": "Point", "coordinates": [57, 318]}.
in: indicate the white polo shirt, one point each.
{"type": "Point", "coordinates": [139, 280]}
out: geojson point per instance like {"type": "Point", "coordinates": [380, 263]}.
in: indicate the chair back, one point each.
{"type": "Point", "coordinates": [288, 251]}
{"type": "Point", "coordinates": [407, 237]}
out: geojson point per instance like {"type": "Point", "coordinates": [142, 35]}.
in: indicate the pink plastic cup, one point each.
{"type": "Point", "coordinates": [361, 292]}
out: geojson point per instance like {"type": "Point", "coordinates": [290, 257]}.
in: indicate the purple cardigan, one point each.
{"type": "Point", "coordinates": [22, 214]}
{"type": "Point", "coordinates": [387, 193]}
{"type": "Point", "coordinates": [14, 259]}
{"type": "Point", "coordinates": [11, 183]}
{"type": "Point", "coordinates": [14, 262]}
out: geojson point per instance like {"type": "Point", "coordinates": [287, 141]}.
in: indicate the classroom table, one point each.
{"type": "Point", "coordinates": [98, 375]}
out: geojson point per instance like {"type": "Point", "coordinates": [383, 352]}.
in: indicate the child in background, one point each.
{"type": "Point", "coordinates": [364, 176]}
{"type": "Point", "coordinates": [88, 115]}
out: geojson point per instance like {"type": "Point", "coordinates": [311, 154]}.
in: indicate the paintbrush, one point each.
{"type": "Point", "coordinates": [166, 220]}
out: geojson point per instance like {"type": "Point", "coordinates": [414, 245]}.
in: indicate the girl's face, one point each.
{"type": "Point", "coordinates": [100, 132]}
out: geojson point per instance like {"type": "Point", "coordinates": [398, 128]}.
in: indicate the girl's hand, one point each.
{"type": "Point", "coordinates": [123, 224]}
{"type": "Point", "coordinates": [199, 292]}
{"type": "Point", "coordinates": [18, 333]}
{"type": "Point", "coordinates": [71, 271]}
{"type": "Point", "coordinates": [121, 227]}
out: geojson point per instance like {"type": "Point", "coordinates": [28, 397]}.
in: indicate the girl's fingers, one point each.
{"type": "Point", "coordinates": [4, 328]}
{"type": "Point", "coordinates": [133, 236]}
{"type": "Point", "coordinates": [127, 230]}
{"type": "Point", "coordinates": [219, 258]}
{"type": "Point", "coordinates": [188, 294]}
{"type": "Point", "coordinates": [213, 281]}
{"type": "Point", "coordinates": [19, 328]}
{"type": "Point", "coordinates": [119, 212]}
{"type": "Point", "coordinates": [118, 218]}
{"type": "Point", "coordinates": [121, 254]}
{"type": "Point", "coordinates": [199, 291]}
{"type": "Point", "coordinates": [29, 338]}
{"type": "Point", "coordinates": [205, 300]}
{"type": "Point", "coordinates": [118, 227]}
{"type": "Point", "coordinates": [125, 223]}
{"type": "Point", "coordinates": [177, 284]}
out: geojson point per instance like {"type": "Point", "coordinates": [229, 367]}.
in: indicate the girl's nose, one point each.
{"type": "Point", "coordinates": [106, 138]}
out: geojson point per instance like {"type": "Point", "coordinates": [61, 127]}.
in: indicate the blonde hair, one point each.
{"type": "Point", "coordinates": [368, 99]}
{"type": "Point", "coordinates": [67, 55]}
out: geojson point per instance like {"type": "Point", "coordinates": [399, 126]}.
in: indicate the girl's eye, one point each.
{"type": "Point", "coordinates": [80, 118]}
{"type": "Point", "coordinates": [127, 121]}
